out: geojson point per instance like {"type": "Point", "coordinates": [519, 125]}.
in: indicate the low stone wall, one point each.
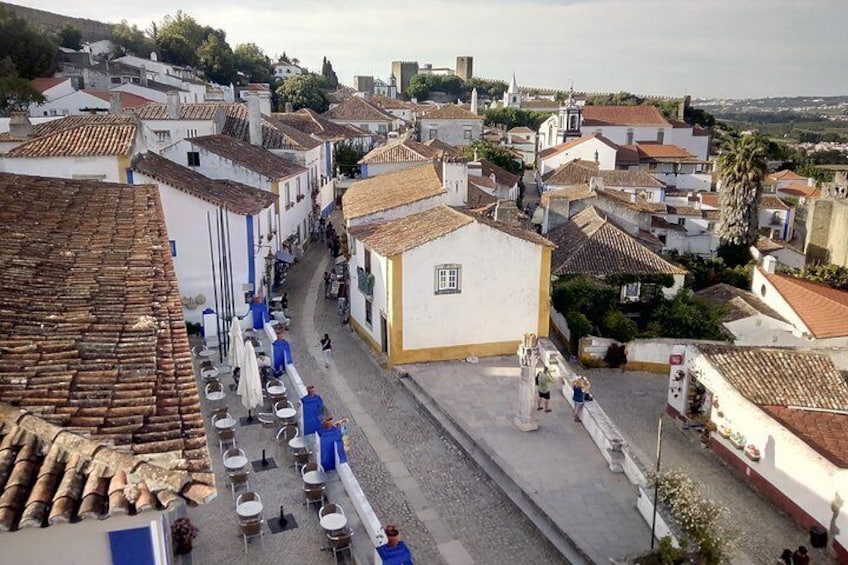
{"type": "Point", "coordinates": [649, 355]}
{"type": "Point", "coordinates": [608, 440]}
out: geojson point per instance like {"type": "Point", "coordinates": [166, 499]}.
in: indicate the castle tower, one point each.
{"type": "Point", "coordinates": [512, 97]}
{"type": "Point", "coordinates": [465, 67]}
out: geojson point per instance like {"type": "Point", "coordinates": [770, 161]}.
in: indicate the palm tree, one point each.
{"type": "Point", "coordinates": [741, 169]}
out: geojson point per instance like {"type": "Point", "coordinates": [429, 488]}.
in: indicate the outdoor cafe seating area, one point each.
{"type": "Point", "coordinates": [239, 384]}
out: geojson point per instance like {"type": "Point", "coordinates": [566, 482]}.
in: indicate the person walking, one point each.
{"type": "Point", "coordinates": [327, 350]}
{"type": "Point", "coordinates": [800, 557]}
{"type": "Point", "coordinates": [785, 558]}
{"type": "Point", "coordinates": [544, 379]}
{"type": "Point", "coordinates": [579, 387]}
{"type": "Point", "coordinates": [327, 282]}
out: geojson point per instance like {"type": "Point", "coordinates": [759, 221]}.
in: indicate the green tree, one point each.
{"type": "Point", "coordinates": [741, 169]}
{"type": "Point", "coordinates": [346, 156]}
{"type": "Point", "coordinates": [619, 326]}
{"type": "Point", "coordinates": [515, 117]}
{"type": "Point", "coordinates": [132, 40]}
{"type": "Point", "coordinates": [16, 94]}
{"type": "Point", "coordinates": [329, 74]}
{"type": "Point", "coordinates": [215, 59]}
{"type": "Point", "coordinates": [500, 156]}
{"type": "Point", "coordinates": [31, 51]}
{"type": "Point", "coordinates": [686, 317]}
{"type": "Point", "coordinates": [492, 89]}
{"type": "Point", "coordinates": [420, 86]}
{"type": "Point", "coordinates": [180, 37]}
{"type": "Point", "coordinates": [304, 91]}
{"type": "Point", "coordinates": [70, 37]}
{"type": "Point", "coordinates": [833, 276]}
{"type": "Point", "coordinates": [252, 62]}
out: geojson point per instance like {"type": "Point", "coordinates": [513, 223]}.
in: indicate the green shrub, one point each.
{"type": "Point", "coordinates": [617, 325]}
{"type": "Point", "coordinates": [579, 326]}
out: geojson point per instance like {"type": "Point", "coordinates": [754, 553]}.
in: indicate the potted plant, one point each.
{"type": "Point", "coordinates": [183, 533]}
{"type": "Point", "coordinates": [752, 452]}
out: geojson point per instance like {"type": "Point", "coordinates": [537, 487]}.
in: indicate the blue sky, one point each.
{"type": "Point", "coordinates": [706, 48]}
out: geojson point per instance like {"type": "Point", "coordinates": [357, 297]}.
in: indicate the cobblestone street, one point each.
{"type": "Point", "coordinates": [634, 401]}
{"type": "Point", "coordinates": [448, 511]}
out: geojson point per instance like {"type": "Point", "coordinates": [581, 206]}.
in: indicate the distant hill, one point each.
{"type": "Point", "coordinates": [92, 30]}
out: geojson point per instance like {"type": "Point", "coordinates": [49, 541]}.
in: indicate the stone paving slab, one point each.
{"type": "Point", "coordinates": [557, 466]}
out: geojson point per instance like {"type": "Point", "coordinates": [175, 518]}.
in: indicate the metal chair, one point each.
{"type": "Point", "coordinates": [290, 420]}
{"type": "Point", "coordinates": [233, 452]}
{"type": "Point", "coordinates": [301, 458]}
{"type": "Point", "coordinates": [247, 496]}
{"type": "Point", "coordinates": [268, 421]}
{"type": "Point", "coordinates": [330, 508]}
{"type": "Point", "coordinates": [308, 466]}
{"type": "Point", "coordinates": [239, 479]}
{"type": "Point", "coordinates": [287, 433]}
{"type": "Point", "coordinates": [225, 437]}
{"type": "Point", "coordinates": [314, 494]}
{"type": "Point", "coordinates": [251, 529]}
{"type": "Point", "coordinates": [339, 542]}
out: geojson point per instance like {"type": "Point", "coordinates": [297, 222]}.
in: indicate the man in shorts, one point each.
{"type": "Point", "coordinates": [544, 379]}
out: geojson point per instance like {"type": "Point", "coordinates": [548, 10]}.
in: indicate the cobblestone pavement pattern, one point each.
{"type": "Point", "coordinates": [468, 519]}
{"type": "Point", "coordinates": [634, 401]}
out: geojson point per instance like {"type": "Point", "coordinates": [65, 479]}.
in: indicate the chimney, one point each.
{"type": "Point", "coordinates": [173, 105]}
{"type": "Point", "coordinates": [19, 125]}
{"type": "Point", "coordinates": [769, 264]}
{"type": "Point", "coordinates": [115, 106]}
{"type": "Point", "coordinates": [811, 181]}
{"type": "Point", "coordinates": [264, 102]}
{"type": "Point", "coordinates": [142, 79]}
{"type": "Point", "coordinates": [254, 119]}
{"type": "Point", "coordinates": [289, 108]}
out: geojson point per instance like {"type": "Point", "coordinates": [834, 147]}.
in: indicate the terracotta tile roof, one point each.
{"type": "Point", "coordinates": [825, 432]}
{"type": "Point", "coordinates": [312, 123]}
{"type": "Point", "coordinates": [93, 341]}
{"type": "Point", "coordinates": [252, 157]}
{"type": "Point", "coordinates": [479, 198]}
{"type": "Point", "coordinates": [589, 244]}
{"type": "Point", "coordinates": [357, 109]}
{"type": "Point", "coordinates": [711, 214]}
{"type": "Point", "coordinates": [800, 190]}
{"type": "Point", "coordinates": [623, 116]}
{"type": "Point", "coordinates": [635, 179]}
{"type": "Point", "coordinates": [451, 112]}
{"type": "Point", "coordinates": [128, 99]}
{"type": "Point", "coordinates": [710, 199]}
{"type": "Point", "coordinates": [573, 172]}
{"type": "Point", "coordinates": [196, 111]}
{"type": "Point", "coordinates": [766, 245]}
{"type": "Point", "coordinates": [390, 103]}
{"type": "Point", "coordinates": [786, 174]}
{"type": "Point", "coordinates": [443, 147]}
{"type": "Point", "coordinates": [69, 122]}
{"type": "Point", "coordinates": [678, 124]}
{"type": "Point", "coordinates": [502, 176]}
{"type": "Point", "coordinates": [638, 203]}
{"type": "Point", "coordinates": [742, 303]}
{"type": "Point", "coordinates": [557, 149]}
{"type": "Point", "coordinates": [409, 232]}
{"type": "Point", "coordinates": [626, 155]}
{"type": "Point", "coordinates": [772, 202]}
{"type": "Point", "coordinates": [522, 129]}
{"type": "Point", "coordinates": [823, 310]}
{"type": "Point", "coordinates": [45, 83]}
{"type": "Point", "coordinates": [239, 198]}
{"type": "Point", "coordinates": [391, 190]}
{"type": "Point", "coordinates": [571, 193]}
{"type": "Point", "coordinates": [482, 182]}
{"type": "Point", "coordinates": [663, 224]}
{"type": "Point", "coordinates": [81, 141]}
{"type": "Point", "coordinates": [510, 229]}
{"type": "Point", "coordinates": [656, 151]}
{"type": "Point", "coordinates": [403, 151]}
{"type": "Point", "coordinates": [539, 105]}
{"type": "Point", "coordinates": [780, 377]}
{"type": "Point", "coordinates": [698, 131]}
{"type": "Point", "coordinates": [276, 134]}
{"type": "Point", "coordinates": [683, 211]}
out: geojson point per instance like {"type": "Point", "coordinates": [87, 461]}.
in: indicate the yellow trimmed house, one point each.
{"type": "Point", "coordinates": [443, 283]}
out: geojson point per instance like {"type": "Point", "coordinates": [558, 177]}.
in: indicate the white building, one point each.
{"type": "Point", "coordinates": [592, 148]}
{"type": "Point", "coordinates": [393, 156]}
{"type": "Point", "coordinates": [283, 70]}
{"type": "Point", "coordinates": [88, 101]}
{"type": "Point", "coordinates": [359, 112]}
{"type": "Point", "coordinates": [241, 218]}
{"type": "Point", "coordinates": [226, 158]}
{"type": "Point", "coordinates": [423, 280]}
{"type": "Point", "coordinates": [780, 418]}
{"type": "Point", "coordinates": [512, 96]}
{"type": "Point", "coordinates": [451, 124]}
{"type": "Point", "coordinates": [76, 147]}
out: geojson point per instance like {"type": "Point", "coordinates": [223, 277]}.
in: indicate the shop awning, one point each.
{"type": "Point", "coordinates": [284, 256]}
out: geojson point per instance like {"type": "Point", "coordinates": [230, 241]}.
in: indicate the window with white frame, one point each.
{"type": "Point", "coordinates": [297, 184]}
{"type": "Point", "coordinates": [629, 140]}
{"type": "Point", "coordinates": [466, 134]}
{"type": "Point", "coordinates": [660, 136]}
{"type": "Point", "coordinates": [162, 135]}
{"type": "Point", "coordinates": [448, 279]}
{"type": "Point", "coordinates": [434, 133]}
{"type": "Point", "coordinates": [631, 290]}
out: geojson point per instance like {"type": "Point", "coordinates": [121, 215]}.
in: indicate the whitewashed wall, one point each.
{"type": "Point", "coordinates": [697, 145]}
{"type": "Point", "coordinates": [379, 268]}
{"type": "Point", "coordinates": [177, 130]}
{"type": "Point", "coordinates": [66, 167]}
{"type": "Point", "coordinates": [373, 169]}
{"type": "Point", "coordinates": [585, 151]}
{"type": "Point", "coordinates": [499, 298]}
{"type": "Point", "coordinates": [451, 132]}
